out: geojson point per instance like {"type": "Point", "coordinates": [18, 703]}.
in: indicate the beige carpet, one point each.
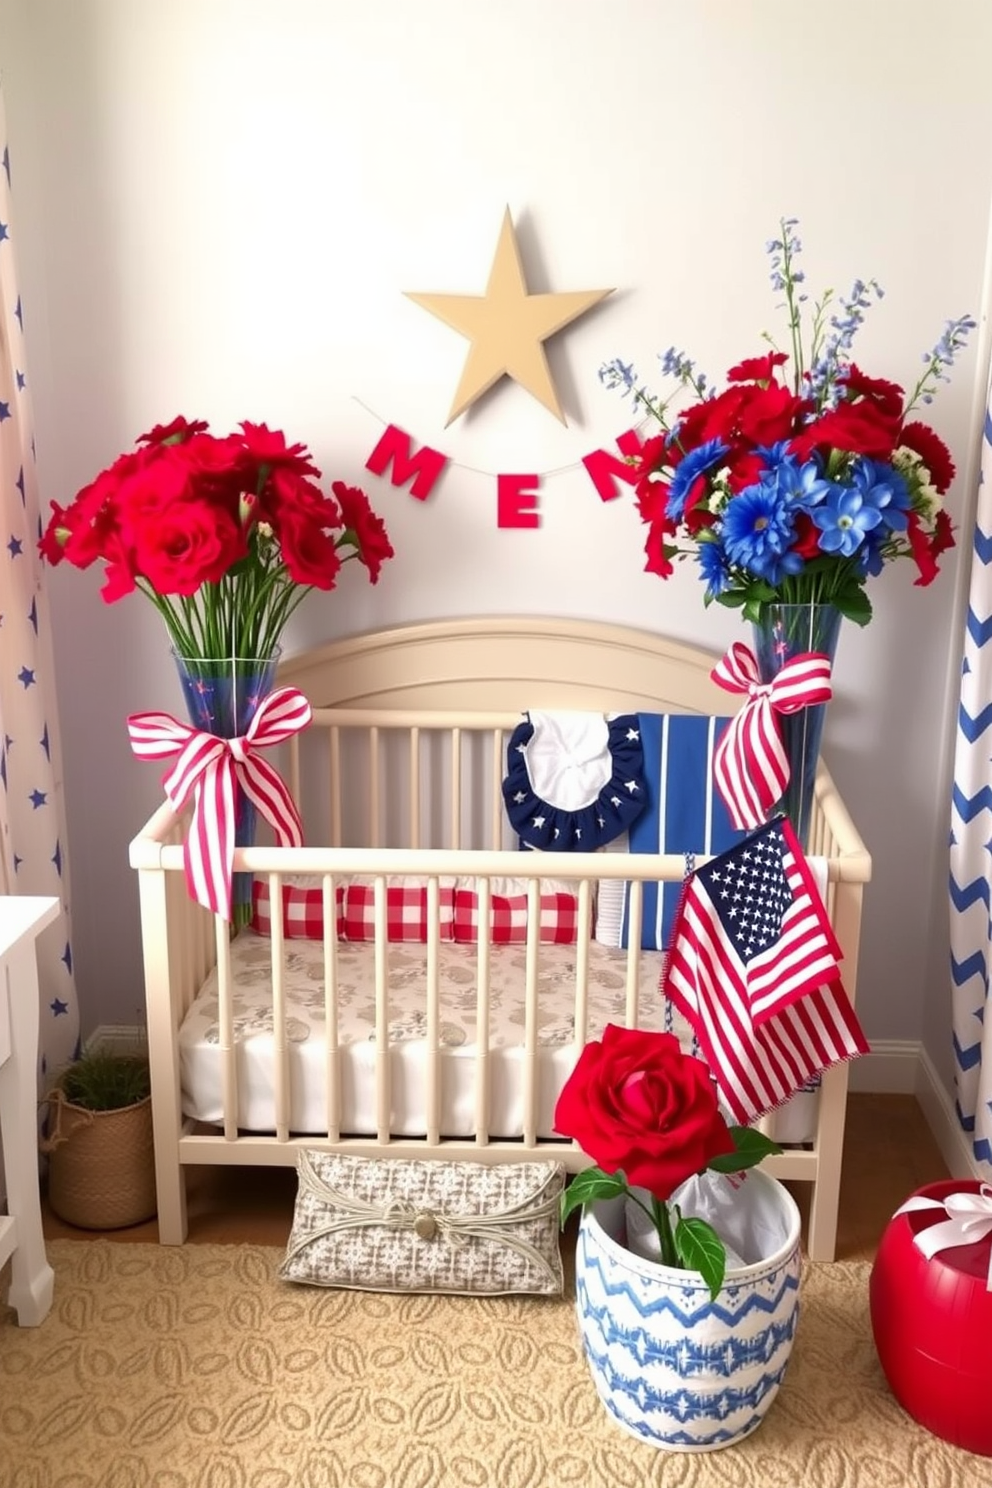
{"type": "Point", "coordinates": [196, 1368]}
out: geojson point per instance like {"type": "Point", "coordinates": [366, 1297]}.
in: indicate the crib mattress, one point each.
{"type": "Point", "coordinates": [201, 1058]}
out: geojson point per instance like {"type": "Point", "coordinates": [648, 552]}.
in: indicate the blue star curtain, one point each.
{"type": "Point", "coordinates": [971, 840]}
{"type": "Point", "coordinates": [32, 819]}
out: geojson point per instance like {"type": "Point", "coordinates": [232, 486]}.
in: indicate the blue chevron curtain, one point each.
{"type": "Point", "coordinates": [32, 818]}
{"type": "Point", "coordinates": [971, 841]}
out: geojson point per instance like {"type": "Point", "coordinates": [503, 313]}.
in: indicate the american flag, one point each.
{"type": "Point", "coordinates": [754, 968]}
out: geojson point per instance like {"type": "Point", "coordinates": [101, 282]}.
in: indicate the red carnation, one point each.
{"type": "Point", "coordinates": [374, 546]}
{"type": "Point", "coordinates": [268, 447]}
{"type": "Point", "coordinates": [657, 551]}
{"type": "Point", "coordinates": [309, 554]}
{"type": "Point", "coordinates": [887, 396]}
{"type": "Point", "coordinates": [769, 414]}
{"type": "Point", "coordinates": [859, 428]}
{"type": "Point", "coordinates": [757, 369]}
{"type": "Point", "coordinates": [927, 547]}
{"type": "Point", "coordinates": [179, 429]}
{"type": "Point", "coordinates": [932, 451]}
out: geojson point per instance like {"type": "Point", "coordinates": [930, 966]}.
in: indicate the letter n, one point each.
{"type": "Point", "coordinates": [425, 466]}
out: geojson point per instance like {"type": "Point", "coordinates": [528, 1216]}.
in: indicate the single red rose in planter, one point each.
{"type": "Point", "coordinates": [636, 1103]}
{"type": "Point", "coordinates": [647, 1115]}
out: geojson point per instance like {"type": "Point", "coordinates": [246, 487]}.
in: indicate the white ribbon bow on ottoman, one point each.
{"type": "Point", "coordinates": [969, 1220]}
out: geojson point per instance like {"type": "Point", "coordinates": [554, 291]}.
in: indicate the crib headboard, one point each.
{"type": "Point", "coordinates": [508, 663]}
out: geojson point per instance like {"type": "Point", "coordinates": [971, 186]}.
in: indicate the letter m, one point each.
{"type": "Point", "coordinates": [423, 468]}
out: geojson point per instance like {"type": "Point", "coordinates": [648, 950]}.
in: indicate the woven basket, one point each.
{"type": "Point", "coordinates": [101, 1173]}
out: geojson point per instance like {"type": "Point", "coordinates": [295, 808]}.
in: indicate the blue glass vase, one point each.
{"type": "Point", "coordinates": [783, 633]}
{"type": "Point", "coordinates": [222, 695]}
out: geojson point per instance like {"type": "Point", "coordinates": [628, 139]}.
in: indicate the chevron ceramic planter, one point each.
{"type": "Point", "coordinates": [671, 1366]}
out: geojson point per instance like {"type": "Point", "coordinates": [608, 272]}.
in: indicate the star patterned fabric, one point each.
{"type": "Point", "coordinates": [32, 815]}
{"type": "Point", "coordinates": [573, 781]}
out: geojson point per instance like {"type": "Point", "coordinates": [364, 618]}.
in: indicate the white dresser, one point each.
{"type": "Point", "coordinates": [21, 1239]}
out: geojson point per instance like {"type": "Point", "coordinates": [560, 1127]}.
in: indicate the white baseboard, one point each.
{"type": "Point", "coordinates": [890, 1068]}
{"type": "Point", "coordinates": [942, 1119]}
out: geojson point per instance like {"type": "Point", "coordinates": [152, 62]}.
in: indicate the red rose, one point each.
{"type": "Point", "coordinates": [373, 542]}
{"type": "Point", "coordinates": [186, 544]}
{"type": "Point", "coordinates": [637, 1105]}
{"type": "Point", "coordinates": [932, 451]}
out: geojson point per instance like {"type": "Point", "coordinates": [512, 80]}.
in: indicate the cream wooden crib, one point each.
{"type": "Point", "coordinates": [408, 747]}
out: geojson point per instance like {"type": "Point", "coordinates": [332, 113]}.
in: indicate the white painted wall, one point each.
{"type": "Point", "coordinates": [219, 205]}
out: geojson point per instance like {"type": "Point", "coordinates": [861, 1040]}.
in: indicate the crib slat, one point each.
{"type": "Point", "coordinates": [280, 1048]}
{"type": "Point", "coordinates": [483, 963]}
{"type": "Point", "coordinates": [375, 802]}
{"type": "Point", "coordinates": [433, 1069]}
{"type": "Point", "coordinates": [382, 1090]}
{"type": "Point", "coordinates": [329, 902]}
{"type": "Point", "coordinates": [415, 767]}
{"type": "Point", "coordinates": [334, 783]}
{"type": "Point", "coordinates": [583, 932]}
{"type": "Point", "coordinates": [635, 921]}
{"type": "Point", "coordinates": [530, 1011]}
{"type": "Point", "coordinates": [225, 1031]}
{"type": "Point", "coordinates": [456, 788]}
{"type": "Point", "coordinates": [496, 788]}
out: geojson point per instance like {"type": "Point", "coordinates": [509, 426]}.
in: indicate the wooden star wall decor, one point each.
{"type": "Point", "coordinates": [508, 327]}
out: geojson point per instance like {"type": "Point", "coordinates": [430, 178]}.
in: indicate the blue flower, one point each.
{"type": "Point", "coordinates": [758, 530]}
{"type": "Point", "coordinates": [714, 568]}
{"type": "Point", "coordinates": [844, 520]}
{"type": "Point", "coordinates": [802, 485]}
{"type": "Point", "coordinates": [884, 488]}
{"type": "Point", "coordinates": [688, 471]}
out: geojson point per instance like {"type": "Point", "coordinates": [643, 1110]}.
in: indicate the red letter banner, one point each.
{"type": "Point", "coordinates": [516, 501]}
{"type": "Point", "coordinates": [426, 465]}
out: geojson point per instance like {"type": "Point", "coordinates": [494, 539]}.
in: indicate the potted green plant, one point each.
{"type": "Point", "coordinates": [101, 1173]}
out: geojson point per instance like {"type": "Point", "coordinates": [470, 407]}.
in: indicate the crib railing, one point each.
{"type": "Point", "coordinates": [448, 783]}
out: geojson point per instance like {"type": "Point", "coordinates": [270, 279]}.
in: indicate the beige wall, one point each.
{"type": "Point", "coordinates": [219, 205]}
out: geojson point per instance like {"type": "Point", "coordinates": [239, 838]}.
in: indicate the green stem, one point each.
{"type": "Point", "coordinates": [659, 1217]}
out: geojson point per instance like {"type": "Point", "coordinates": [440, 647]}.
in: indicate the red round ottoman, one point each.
{"type": "Point", "coordinates": [932, 1323]}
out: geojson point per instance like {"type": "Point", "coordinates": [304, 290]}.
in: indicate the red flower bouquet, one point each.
{"type": "Point", "coordinates": [797, 482]}
{"type": "Point", "coordinates": [647, 1115]}
{"type": "Point", "coordinates": [224, 534]}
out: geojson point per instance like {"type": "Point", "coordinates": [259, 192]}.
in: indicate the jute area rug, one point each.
{"type": "Point", "coordinates": [196, 1368]}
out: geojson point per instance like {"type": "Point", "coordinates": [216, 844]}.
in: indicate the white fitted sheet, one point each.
{"type": "Point", "coordinates": [201, 1058]}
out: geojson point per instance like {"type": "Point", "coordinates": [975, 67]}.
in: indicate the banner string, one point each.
{"type": "Point", "coordinates": [540, 475]}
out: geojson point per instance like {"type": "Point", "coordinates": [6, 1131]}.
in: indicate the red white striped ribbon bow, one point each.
{"type": "Point", "coordinates": [750, 765]}
{"type": "Point", "coordinates": [211, 767]}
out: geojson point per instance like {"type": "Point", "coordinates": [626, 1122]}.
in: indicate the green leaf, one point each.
{"type": "Point", "coordinates": [701, 1249]}
{"type": "Point", "coordinates": [591, 1183]}
{"type": "Point", "coordinates": [751, 1147]}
